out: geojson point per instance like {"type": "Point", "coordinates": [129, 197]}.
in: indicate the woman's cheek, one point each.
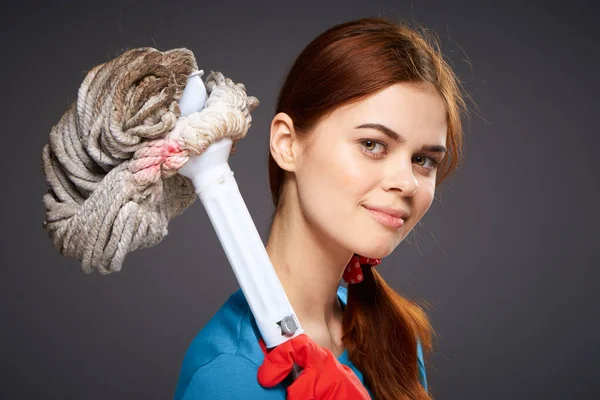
{"type": "Point", "coordinates": [424, 198]}
{"type": "Point", "coordinates": [351, 168]}
{"type": "Point", "coordinates": [429, 193]}
{"type": "Point", "coordinates": [324, 183]}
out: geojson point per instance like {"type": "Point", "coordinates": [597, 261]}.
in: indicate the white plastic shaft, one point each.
{"type": "Point", "coordinates": [194, 94]}
{"type": "Point", "coordinates": [219, 193]}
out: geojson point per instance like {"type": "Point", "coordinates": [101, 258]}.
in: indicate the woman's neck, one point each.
{"type": "Point", "coordinates": [309, 270]}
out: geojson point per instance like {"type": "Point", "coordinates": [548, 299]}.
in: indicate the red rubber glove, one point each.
{"type": "Point", "coordinates": [323, 377]}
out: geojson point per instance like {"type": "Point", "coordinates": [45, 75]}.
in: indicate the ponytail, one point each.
{"type": "Point", "coordinates": [381, 329]}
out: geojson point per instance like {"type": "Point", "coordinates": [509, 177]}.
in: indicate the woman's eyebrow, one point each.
{"type": "Point", "coordinates": [399, 138]}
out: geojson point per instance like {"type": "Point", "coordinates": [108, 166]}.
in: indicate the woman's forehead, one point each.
{"type": "Point", "coordinates": [406, 108]}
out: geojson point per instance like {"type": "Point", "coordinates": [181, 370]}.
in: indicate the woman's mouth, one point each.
{"type": "Point", "coordinates": [385, 218]}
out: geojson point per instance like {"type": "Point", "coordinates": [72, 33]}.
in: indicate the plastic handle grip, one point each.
{"type": "Point", "coordinates": [218, 191]}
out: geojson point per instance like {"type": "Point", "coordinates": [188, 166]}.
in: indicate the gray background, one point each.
{"type": "Point", "coordinates": [505, 256]}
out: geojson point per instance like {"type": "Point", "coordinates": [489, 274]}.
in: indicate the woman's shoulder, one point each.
{"type": "Point", "coordinates": [232, 330]}
{"type": "Point", "coordinates": [229, 331]}
{"type": "Point", "coordinates": [228, 342]}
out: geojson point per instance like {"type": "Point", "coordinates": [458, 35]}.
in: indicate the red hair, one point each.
{"type": "Point", "coordinates": [347, 63]}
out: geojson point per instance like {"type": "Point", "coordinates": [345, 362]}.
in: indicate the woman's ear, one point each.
{"type": "Point", "coordinates": [283, 143]}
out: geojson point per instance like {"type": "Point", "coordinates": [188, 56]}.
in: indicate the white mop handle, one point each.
{"type": "Point", "coordinates": [216, 186]}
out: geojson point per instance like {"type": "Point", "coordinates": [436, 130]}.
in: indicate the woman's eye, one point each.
{"type": "Point", "coordinates": [371, 146]}
{"type": "Point", "coordinates": [426, 162]}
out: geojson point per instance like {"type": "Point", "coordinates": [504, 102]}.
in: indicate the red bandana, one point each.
{"type": "Point", "coordinates": [353, 272]}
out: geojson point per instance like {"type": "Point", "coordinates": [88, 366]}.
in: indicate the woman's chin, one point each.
{"type": "Point", "coordinates": [375, 250]}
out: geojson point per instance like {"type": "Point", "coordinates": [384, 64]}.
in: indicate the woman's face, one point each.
{"type": "Point", "coordinates": [348, 168]}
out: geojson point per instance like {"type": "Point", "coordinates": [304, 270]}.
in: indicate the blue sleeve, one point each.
{"type": "Point", "coordinates": [229, 377]}
{"type": "Point", "coordinates": [422, 373]}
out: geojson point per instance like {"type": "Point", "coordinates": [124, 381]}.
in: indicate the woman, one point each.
{"type": "Point", "coordinates": [367, 125]}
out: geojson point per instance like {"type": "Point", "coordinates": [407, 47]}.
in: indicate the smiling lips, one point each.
{"type": "Point", "coordinates": [390, 217]}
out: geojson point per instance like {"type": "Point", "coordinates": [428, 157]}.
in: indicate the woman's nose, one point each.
{"type": "Point", "coordinates": [402, 178]}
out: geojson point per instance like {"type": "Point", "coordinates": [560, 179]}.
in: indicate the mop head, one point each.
{"type": "Point", "coordinates": [111, 162]}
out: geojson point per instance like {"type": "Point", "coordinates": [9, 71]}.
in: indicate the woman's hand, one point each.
{"type": "Point", "coordinates": [323, 377]}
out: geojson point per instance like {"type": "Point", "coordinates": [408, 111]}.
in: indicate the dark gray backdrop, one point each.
{"type": "Point", "coordinates": [505, 255]}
